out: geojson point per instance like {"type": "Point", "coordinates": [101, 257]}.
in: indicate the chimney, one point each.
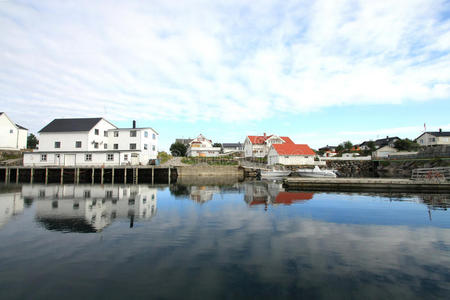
{"type": "Point", "coordinates": [440, 129]}
{"type": "Point", "coordinates": [134, 123]}
{"type": "Point", "coordinates": [265, 135]}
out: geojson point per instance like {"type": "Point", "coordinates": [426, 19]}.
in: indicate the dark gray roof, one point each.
{"type": "Point", "coordinates": [21, 127]}
{"type": "Point", "coordinates": [439, 133]}
{"type": "Point", "coordinates": [232, 145]}
{"type": "Point", "coordinates": [328, 147]}
{"type": "Point", "coordinates": [65, 125]}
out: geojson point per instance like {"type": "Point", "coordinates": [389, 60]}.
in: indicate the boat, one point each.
{"type": "Point", "coordinates": [316, 172]}
{"type": "Point", "coordinates": [267, 173]}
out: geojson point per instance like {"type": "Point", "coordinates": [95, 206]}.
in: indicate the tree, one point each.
{"type": "Point", "coordinates": [339, 148]}
{"type": "Point", "coordinates": [163, 157]}
{"type": "Point", "coordinates": [347, 145]}
{"type": "Point", "coordinates": [371, 145]}
{"type": "Point", "coordinates": [178, 149]}
{"type": "Point", "coordinates": [406, 145]}
{"type": "Point", "coordinates": [32, 141]}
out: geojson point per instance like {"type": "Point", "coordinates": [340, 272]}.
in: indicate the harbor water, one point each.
{"type": "Point", "coordinates": [227, 240]}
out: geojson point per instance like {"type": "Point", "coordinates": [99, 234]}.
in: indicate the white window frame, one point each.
{"type": "Point", "coordinates": [116, 134]}
{"type": "Point", "coordinates": [59, 144]}
{"type": "Point", "coordinates": [110, 157]}
{"type": "Point", "coordinates": [43, 157]}
{"type": "Point", "coordinates": [76, 144]}
{"type": "Point", "coordinates": [133, 133]}
{"type": "Point", "coordinates": [88, 157]}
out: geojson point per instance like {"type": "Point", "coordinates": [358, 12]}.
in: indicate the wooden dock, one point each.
{"type": "Point", "coordinates": [376, 184]}
{"type": "Point", "coordinates": [95, 174]}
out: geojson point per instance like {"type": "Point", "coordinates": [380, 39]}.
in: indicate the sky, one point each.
{"type": "Point", "coordinates": [321, 72]}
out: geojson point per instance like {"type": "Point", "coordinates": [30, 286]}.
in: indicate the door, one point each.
{"type": "Point", "coordinates": [69, 160]}
{"type": "Point", "coordinates": [134, 159]}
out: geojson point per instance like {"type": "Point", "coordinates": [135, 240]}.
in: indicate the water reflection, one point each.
{"type": "Point", "coordinates": [11, 204]}
{"type": "Point", "coordinates": [86, 208]}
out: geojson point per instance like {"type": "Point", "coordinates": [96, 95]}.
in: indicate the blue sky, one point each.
{"type": "Point", "coordinates": [320, 71]}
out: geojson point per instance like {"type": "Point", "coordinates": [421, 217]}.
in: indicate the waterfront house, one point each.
{"type": "Point", "coordinates": [388, 141]}
{"type": "Point", "coordinates": [384, 152]}
{"type": "Point", "coordinates": [431, 138]}
{"type": "Point", "coordinates": [328, 151]}
{"type": "Point", "coordinates": [259, 146]}
{"type": "Point", "coordinates": [92, 142]}
{"type": "Point", "coordinates": [202, 147]}
{"type": "Point", "coordinates": [12, 135]}
{"type": "Point", "coordinates": [232, 147]}
{"type": "Point", "coordinates": [291, 154]}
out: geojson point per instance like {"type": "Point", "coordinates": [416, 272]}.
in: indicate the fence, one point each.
{"type": "Point", "coordinates": [441, 174]}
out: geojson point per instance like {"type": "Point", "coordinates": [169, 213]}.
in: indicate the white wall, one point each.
{"type": "Point", "coordinates": [124, 140]}
{"type": "Point", "coordinates": [67, 139]}
{"type": "Point", "coordinates": [11, 138]}
{"type": "Point", "coordinates": [77, 159]}
{"type": "Point", "coordinates": [293, 160]}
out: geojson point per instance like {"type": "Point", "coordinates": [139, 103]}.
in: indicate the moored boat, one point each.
{"type": "Point", "coordinates": [316, 172]}
{"type": "Point", "coordinates": [274, 173]}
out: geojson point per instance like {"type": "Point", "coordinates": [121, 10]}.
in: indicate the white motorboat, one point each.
{"type": "Point", "coordinates": [274, 173]}
{"type": "Point", "coordinates": [316, 172]}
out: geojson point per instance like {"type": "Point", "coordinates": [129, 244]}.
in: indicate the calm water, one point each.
{"type": "Point", "coordinates": [237, 241]}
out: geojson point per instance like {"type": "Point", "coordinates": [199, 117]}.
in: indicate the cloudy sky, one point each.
{"type": "Point", "coordinates": [319, 71]}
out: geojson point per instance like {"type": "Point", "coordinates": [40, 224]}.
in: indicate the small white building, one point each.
{"type": "Point", "coordinates": [384, 152]}
{"type": "Point", "coordinates": [92, 142]}
{"type": "Point", "coordinates": [259, 146]}
{"type": "Point", "coordinates": [202, 147]}
{"type": "Point", "coordinates": [291, 155]}
{"type": "Point", "coordinates": [12, 135]}
{"type": "Point", "coordinates": [434, 138]}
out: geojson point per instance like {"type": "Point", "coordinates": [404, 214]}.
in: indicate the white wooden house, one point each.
{"type": "Point", "coordinates": [431, 138]}
{"type": "Point", "coordinates": [92, 142]}
{"type": "Point", "coordinates": [12, 135]}
{"type": "Point", "coordinates": [291, 154]}
{"type": "Point", "coordinates": [384, 152]}
{"type": "Point", "coordinates": [202, 147]}
{"type": "Point", "coordinates": [259, 146]}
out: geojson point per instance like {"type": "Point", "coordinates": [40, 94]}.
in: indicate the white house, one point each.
{"type": "Point", "coordinates": [258, 146]}
{"type": "Point", "coordinates": [202, 147]}
{"type": "Point", "coordinates": [384, 152]}
{"type": "Point", "coordinates": [12, 135]}
{"type": "Point", "coordinates": [92, 141]}
{"type": "Point", "coordinates": [434, 138]}
{"type": "Point", "coordinates": [291, 154]}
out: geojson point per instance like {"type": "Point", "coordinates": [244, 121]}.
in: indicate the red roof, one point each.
{"type": "Point", "coordinates": [293, 149]}
{"type": "Point", "coordinates": [289, 198]}
{"type": "Point", "coordinates": [260, 139]}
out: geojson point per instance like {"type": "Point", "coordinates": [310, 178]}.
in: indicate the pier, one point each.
{"type": "Point", "coordinates": [95, 174]}
{"type": "Point", "coordinates": [375, 184]}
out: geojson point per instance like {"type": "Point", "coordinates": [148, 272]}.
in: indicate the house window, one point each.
{"type": "Point", "coordinates": [43, 157]}
{"type": "Point", "coordinates": [421, 141]}
{"type": "Point", "coordinates": [105, 146]}
{"type": "Point", "coordinates": [145, 133]}
{"type": "Point", "coordinates": [57, 156]}
{"type": "Point", "coordinates": [57, 144]}
{"type": "Point", "coordinates": [145, 146]}
{"type": "Point", "coordinates": [78, 144]}
{"type": "Point", "coordinates": [97, 132]}
{"type": "Point", "coordinates": [110, 157]}
{"type": "Point", "coordinates": [109, 194]}
{"type": "Point", "coordinates": [133, 133]}
{"type": "Point", "coordinates": [87, 194]}
{"type": "Point", "coordinates": [132, 146]}
{"type": "Point", "coordinates": [105, 133]}
{"type": "Point", "coordinates": [125, 157]}
{"type": "Point", "coordinates": [306, 156]}
{"type": "Point", "coordinates": [11, 131]}
{"type": "Point", "coordinates": [88, 157]}
{"type": "Point", "coordinates": [116, 133]}
{"type": "Point", "coordinates": [432, 139]}
{"type": "Point", "coordinates": [116, 146]}
{"type": "Point", "coordinates": [154, 136]}
{"type": "Point", "coordinates": [96, 145]}
{"type": "Point", "coordinates": [153, 148]}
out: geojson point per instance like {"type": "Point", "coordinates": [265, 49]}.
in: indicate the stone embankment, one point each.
{"type": "Point", "coordinates": [384, 169]}
{"type": "Point", "coordinates": [352, 168]}
{"type": "Point", "coordinates": [206, 170]}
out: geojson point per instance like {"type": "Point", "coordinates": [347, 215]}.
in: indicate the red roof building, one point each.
{"type": "Point", "coordinates": [259, 145]}
{"type": "Point", "coordinates": [291, 155]}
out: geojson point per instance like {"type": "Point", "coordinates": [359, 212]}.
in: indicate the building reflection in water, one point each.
{"type": "Point", "coordinates": [272, 193]}
{"type": "Point", "coordinates": [86, 208]}
{"type": "Point", "coordinates": [11, 204]}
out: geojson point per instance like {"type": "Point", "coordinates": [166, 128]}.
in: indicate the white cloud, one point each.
{"type": "Point", "coordinates": [206, 59]}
